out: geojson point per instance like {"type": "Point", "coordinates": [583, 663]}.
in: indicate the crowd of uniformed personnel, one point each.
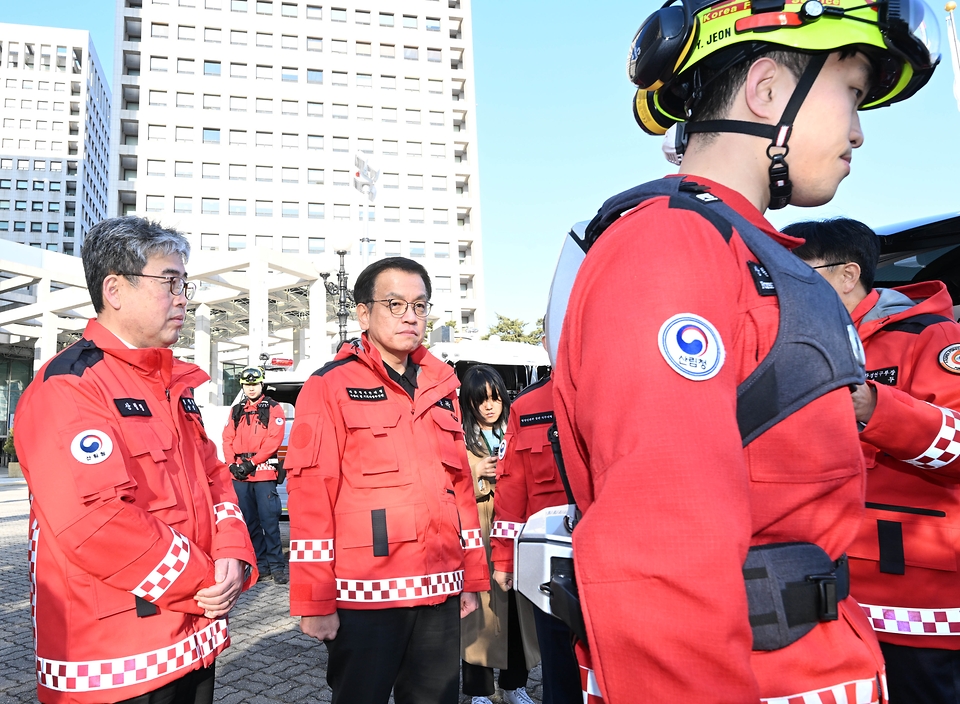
{"type": "Point", "coordinates": [761, 444]}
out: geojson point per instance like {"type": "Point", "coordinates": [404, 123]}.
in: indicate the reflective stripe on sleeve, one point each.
{"type": "Point", "coordinates": [588, 683]}
{"type": "Point", "coordinates": [227, 510]}
{"type": "Point", "coordinates": [472, 539]}
{"type": "Point", "coordinates": [65, 676]}
{"type": "Point", "coordinates": [506, 529]}
{"type": "Point", "coordinates": [854, 692]}
{"type": "Point", "coordinates": [909, 621]}
{"type": "Point", "coordinates": [165, 574]}
{"type": "Point", "coordinates": [311, 550]}
{"type": "Point", "coordinates": [945, 447]}
{"type": "Point", "coordinates": [401, 588]}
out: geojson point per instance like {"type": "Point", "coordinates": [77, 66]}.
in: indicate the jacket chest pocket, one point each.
{"type": "Point", "coordinates": [151, 447]}
{"type": "Point", "coordinates": [537, 455]}
{"type": "Point", "coordinates": [453, 451]}
{"type": "Point", "coordinates": [370, 457]}
{"type": "Point", "coordinates": [900, 539]}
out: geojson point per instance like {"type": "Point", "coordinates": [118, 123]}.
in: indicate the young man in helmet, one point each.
{"type": "Point", "coordinates": [720, 473]}
{"type": "Point", "coordinates": [903, 563]}
{"type": "Point", "coordinates": [251, 438]}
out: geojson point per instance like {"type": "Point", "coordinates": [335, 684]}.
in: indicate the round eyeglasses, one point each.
{"type": "Point", "coordinates": [398, 308]}
{"type": "Point", "coordinates": [177, 284]}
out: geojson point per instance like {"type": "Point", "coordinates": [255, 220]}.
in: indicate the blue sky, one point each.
{"type": "Point", "coordinates": [557, 137]}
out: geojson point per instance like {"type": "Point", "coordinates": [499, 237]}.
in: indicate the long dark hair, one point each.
{"type": "Point", "coordinates": [473, 392]}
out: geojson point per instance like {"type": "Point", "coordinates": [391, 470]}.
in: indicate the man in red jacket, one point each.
{"type": "Point", "coordinates": [385, 545]}
{"type": "Point", "coordinates": [712, 449]}
{"type": "Point", "coordinates": [903, 564]}
{"type": "Point", "coordinates": [251, 438]}
{"type": "Point", "coordinates": [527, 482]}
{"type": "Point", "coordinates": [137, 546]}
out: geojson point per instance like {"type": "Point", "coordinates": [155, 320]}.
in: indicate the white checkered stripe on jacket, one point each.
{"type": "Point", "coordinates": [853, 692]}
{"type": "Point", "coordinates": [401, 588]}
{"type": "Point", "coordinates": [227, 510]}
{"type": "Point", "coordinates": [165, 574]}
{"type": "Point", "coordinates": [311, 550]}
{"type": "Point", "coordinates": [94, 675]}
{"type": "Point", "coordinates": [506, 529]}
{"type": "Point", "coordinates": [472, 539]}
{"type": "Point", "coordinates": [945, 447]}
{"type": "Point", "coordinates": [909, 621]}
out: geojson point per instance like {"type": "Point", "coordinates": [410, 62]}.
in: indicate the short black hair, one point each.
{"type": "Point", "coordinates": [367, 281]}
{"type": "Point", "coordinates": [839, 240]}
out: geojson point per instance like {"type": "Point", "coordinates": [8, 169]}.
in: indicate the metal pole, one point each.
{"type": "Point", "coordinates": [342, 289]}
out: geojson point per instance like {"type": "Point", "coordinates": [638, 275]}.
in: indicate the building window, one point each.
{"type": "Point", "coordinates": [184, 100]}
{"type": "Point", "coordinates": [436, 118]}
{"type": "Point", "coordinates": [236, 242]}
{"type": "Point", "coordinates": [416, 218]}
{"type": "Point", "coordinates": [155, 167]}
{"type": "Point", "coordinates": [290, 245]}
{"type": "Point", "coordinates": [341, 177]}
{"type": "Point", "coordinates": [237, 137]}
{"type": "Point", "coordinates": [186, 33]}
{"type": "Point", "coordinates": [184, 134]}
{"type": "Point", "coordinates": [154, 204]}
{"type": "Point", "coordinates": [314, 44]}
{"type": "Point", "coordinates": [389, 180]}
{"type": "Point", "coordinates": [386, 19]}
{"type": "Point", "coordinates": [438, 150]}
{"type": "Point", "coordinates": [264, 174]}
{"type": "Point", "coordinates": [288, 10]}
{"type": "Point", "coordinates": [263, 72]}
{"type": "Point", "coordinates": [341, 212]}
{"type": "Point", "coordinates": [53, 227]}
{"type": "Point", "coordinates": [211, 35]}
{"type": "Point", "coordinates": [411, 52]}
{"type": "Point", "coordinates": [314, 75]}
{"type": "Point", "coordinates": [161, 31]}
{"type": "Point", "coordinates": [414, 149]}
{"type": "Point", "coordinates": [289, 140]}
{"type": "Point", "coordinates": [238, 103]}
{"type": "Point", "coordinates": [238, 207]}
{"type": "Point", "coordinates": [210, 206]}
{"type": "Point", "coordinates": [265, 106]}
{"type": "Point", "coordinates": [338, 46]}
{"type": "Point", "coordinates": [238, 5]}
{"type": "Point", "coordinates": [340, 79]}
{"type": "Point", "coordinates": [156, 133]}
{"type": "Point", "coordinates": [288, 73]}
{"type": "Point", "coordinates": [391, 248]}
{"type": "Point", "coordinates": [290, 209]}
{"type": "Point", "coordinates": [288, 41]}
{"type": "Point", "coordinates": [158, 63]}
{"type": "Point", "coordinates": [365, 145]}
{"type": "Point", "coordinates": [314, 12]}
{"type": "Point", "coordinates": [182, 204]}
{"type": "Point", "coordinates": [339, 112]}
{"type": "Point", "coordinates": [411, 84]}
{"type": "Point", "coordinates": [315, 176]}
{"type": "Point", "coordinates": [341, 144]}
{"type": "Point", "coordinates": [264, 209]}
{"type": "Point", "coordinates": [338, 14]}
{"type": "Point", "coordinates": [181, 169]}
{"type": "Point", "coordinates": [264, 7]}
{"type": "Point", "coordinates": [238, 36]}
{"type": "Point", "coordinates": [238, 172]}
{"type": "Point", "coordinates": [211, 68]}
{"type": "Point", "coordinates": [212, 136]}
{"type": "Point", "coordinates": [388, 82]}
{"type": "Point", "coordinates": [438, 183]}
{"type": "Point", "coordinates": [434, 55]}
{"type": "Point", "coordinates": [315, 211]}
{"type": "Point", "coordinates": [37, 206]}
{"type": "Point", "coordinates": [316, 245]}
{"type": "Point", "coordinates": [315, 109]}
{"type": "Point", "coordinates": [38, 185]}
{"type": "Point", "coordinates": [440, 217]}
{"type": "Point", "coordinates": [412, 117]}
{"type": "Point", "coordinates": [388, 114]}
{"type": "Point", "coordinates": [290, 174]}
{"type": "Point", "coordinates": [363, 48]}
{"type": "Point", "coordinates": [433, 24]}
{"type": "Point", "coordinates": [20, 227]}
{"type": "Point", "coordinates": [388, 51]}
{"type": "Point", "coordinates": [210, 170]}
{"type": "Point", "coordinates": [238, 70]}
{"type": "Point", "coordinates": [365, 113]}
{"type": "Point", "coordinates": [36, 227]}
{"type": "Point", "coordinates": [410, 21]}
{"type": "Point", "coordinates": [314, 141]}
{"type": "Point", "coordinates": [158, 97]}
{"type": "Point", "coordinates": [210, 243]}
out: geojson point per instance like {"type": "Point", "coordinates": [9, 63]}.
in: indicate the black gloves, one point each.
{"type": "Point", "coordinates": [243, 470]}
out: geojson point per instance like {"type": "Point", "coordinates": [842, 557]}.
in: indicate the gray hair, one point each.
{"type": "Point", "coordinates": [122, 246]}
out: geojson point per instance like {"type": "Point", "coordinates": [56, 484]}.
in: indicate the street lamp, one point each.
{"type": "Point", "coordinates": [342, 292]}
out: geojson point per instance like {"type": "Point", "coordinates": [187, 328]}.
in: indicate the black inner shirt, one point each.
{"type": "Point", "coordinates": [407, 380]}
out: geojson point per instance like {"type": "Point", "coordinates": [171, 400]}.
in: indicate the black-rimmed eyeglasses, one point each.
{"type": "Point", "coordinates": [398, 308]}
{"type": "Point", "coordinates": [177, 284]}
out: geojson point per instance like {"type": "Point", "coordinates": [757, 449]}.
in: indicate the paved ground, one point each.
{"type": "Point", "coordinates": [269, 660]}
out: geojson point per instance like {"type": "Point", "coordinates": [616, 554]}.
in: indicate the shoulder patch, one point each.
{"type": "Point", "coordinates": [445, 403]}
{"type": "Point", "coordinates": [76, 359]}
{"type": "Point", "coordinates": [189, 405]}
{"type": "Point", "coordinates": [132, 407]}
{"type": "Point", "coordinates": [329, 366]}
{"type": "Point", "coordinates": [691, 346]}
{"type": "Point", "coordinates": [720, 224]}
{"type": "Point", "coordinates": [535, 385]}
{"type": "Point", "coordinates": [949, 358]}
{"type": "Point", "coordinates": [762, 279]}
{"type": "Point", "coordinates": [916, 324]}
{"type": "Point", "coordinates": [91, 446]}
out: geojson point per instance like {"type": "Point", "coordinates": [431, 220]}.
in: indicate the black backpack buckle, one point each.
{"type": "Point", "coordinates": [826, 584]}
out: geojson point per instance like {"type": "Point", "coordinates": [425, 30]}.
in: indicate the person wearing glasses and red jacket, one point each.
{"type": "Point", "coordinates": [138, 549]}
{"type": "Point", "coordinates": [386, 553]}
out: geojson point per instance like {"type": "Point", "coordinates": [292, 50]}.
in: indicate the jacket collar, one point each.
{"type": "Point", "coordinates": [884, 306]}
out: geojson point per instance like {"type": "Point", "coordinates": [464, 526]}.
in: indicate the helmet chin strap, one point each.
{"type": "Point", "coordinates": [780, 187]}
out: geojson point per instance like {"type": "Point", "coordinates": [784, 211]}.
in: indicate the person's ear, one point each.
{"type": "Point", "coordinates": [851, 276]}
{"type": "Point", "coordinates": [112, 291]}
{"type": "Point", "coordinates": [767, 89]}
{"type": "Point", "coordinates": [363, 316]}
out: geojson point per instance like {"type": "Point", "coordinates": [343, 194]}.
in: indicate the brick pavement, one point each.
{"type": "Point", "coordinates": [269, 659]}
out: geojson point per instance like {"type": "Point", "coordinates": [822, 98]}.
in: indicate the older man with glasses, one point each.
{"type": "Point", "coordinates": [385, 545]}
{"type": "Point", "coordinates": [138, 549]}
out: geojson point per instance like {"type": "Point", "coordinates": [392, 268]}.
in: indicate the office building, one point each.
{"type": "Point", "coordinates": [54, 137]}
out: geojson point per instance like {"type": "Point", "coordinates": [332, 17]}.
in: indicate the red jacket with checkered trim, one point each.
{"type": "Point", "coordinates": [251, 436]}
{"type": "Point", "coordinates": [527, 476]}
{"type": "Point", "coordinates": [671, 499]}
{"type": "Point", "coordinates": [129, 500]}
{"type": "Point", "coordinates": [906, 553]}
{"type": "Point", "coordinates": [382, 511]}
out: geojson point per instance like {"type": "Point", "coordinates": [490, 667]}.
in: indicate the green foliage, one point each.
{"type": "Point", "coordinates": [451, 323]}
{"type": "Point", "coordinates": [512, 330]}
{"type": "Point", "coordinates": [9, 448]}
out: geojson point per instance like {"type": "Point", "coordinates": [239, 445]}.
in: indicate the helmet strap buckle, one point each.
{"type": "Point", "coordinates": [780, 186]}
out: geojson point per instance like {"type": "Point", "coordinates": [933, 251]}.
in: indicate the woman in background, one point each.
{"type": "Point", "coordinates": [490, 637]}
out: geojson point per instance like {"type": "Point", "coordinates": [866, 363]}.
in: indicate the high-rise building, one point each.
{"type": "Point", "coordinates": [239, 121]}
{"type": "Point", "coordinates": [54, 136]}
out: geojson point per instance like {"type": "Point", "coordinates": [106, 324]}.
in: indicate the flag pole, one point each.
{"type": "Point", "coordinates": [954, 50]}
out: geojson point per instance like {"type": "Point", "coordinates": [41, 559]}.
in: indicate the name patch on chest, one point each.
{"type": "Point", "coordinates": [445, 403]}
{"type": "Point", "coordinates": [132, 407]}
{"type": "Point", "coordinates": [886, 376]}
{"type": "Point", "coordinates": [377, 394]}
{"type": "Point", "coordinates": [189, 405]}
{"type": "Point", "coordinates": [762, 279]}
{"type": "Point", "coordinates": [536, 419]}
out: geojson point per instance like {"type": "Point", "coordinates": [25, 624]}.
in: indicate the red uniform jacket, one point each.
{"type": "Point", "coordinates": [129, 500]}
{"type": "Point", "coordinates": [906, 574]}
{"type": "Point", "coordinates": [527, 476]}
{"type": "Point", "coordinates": [382, 512]}
{"type": "Point", "coordinates": [251, 436]}
{"type": "Point", "coordinates": [671, 499]}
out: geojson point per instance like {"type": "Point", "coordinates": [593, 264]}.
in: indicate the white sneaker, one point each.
{"type": "Point", "coordinates": [481, 700]}
{"type": "Point", "coordinates": [517, 696]}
